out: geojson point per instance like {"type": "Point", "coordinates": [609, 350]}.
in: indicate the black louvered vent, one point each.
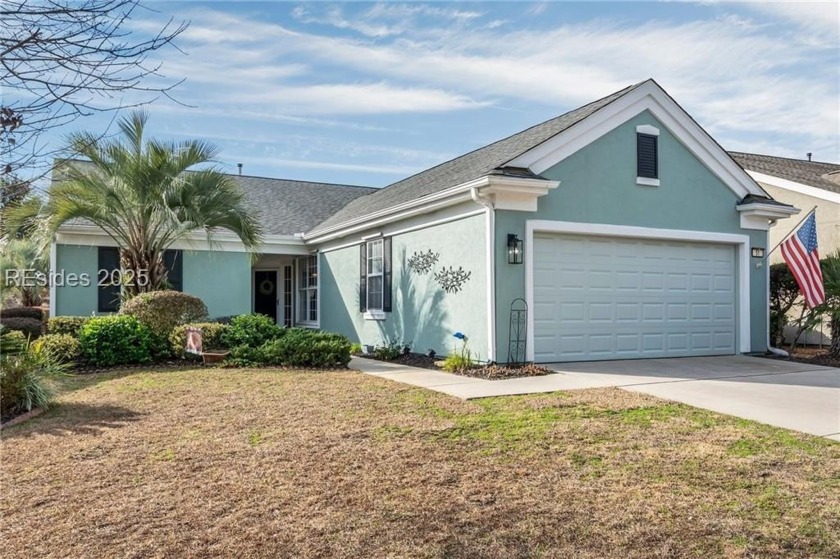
{"type": "Point", "coordinates": [646, 157]}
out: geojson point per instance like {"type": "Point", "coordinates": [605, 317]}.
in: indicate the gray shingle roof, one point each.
{"type": "Point", "coordinates": [286, 207]}
{"type": "Point", "coordinates": [467, 167]}
{"type": "Point", "coordinates": [810, 173]}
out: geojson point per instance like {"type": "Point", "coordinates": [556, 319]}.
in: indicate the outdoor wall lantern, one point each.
{"type": "Point", "coordinates": [514, 245]}
{"type": "Point", "coordinates": [757, 252]}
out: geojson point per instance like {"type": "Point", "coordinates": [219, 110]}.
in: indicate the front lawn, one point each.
{"type": "Point", "coordinates": [265, 463]}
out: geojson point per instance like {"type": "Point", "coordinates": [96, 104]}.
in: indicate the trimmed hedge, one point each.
{"type": "Point", "coordinates": [36, 313]}
{"type": "Point", "coordinates": [211, 337]}
{"type": "Point", "coordinates": [116, 340]}
{"type": "Point", "coordinates": [299, 347]}
{"type": "Point", "coordinates": [251, 330]}
{"type": "Point", "coordinates": [162, 311]}
{"type": "Point", "coordinates": [70, 325]}
{"type": "Point", "coordinates": [30, 327]}
{"type": "Point", "coordinates": [62, 348]}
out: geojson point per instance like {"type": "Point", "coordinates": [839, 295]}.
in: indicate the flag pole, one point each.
{"type": "Point", "coordinates": [791, 232]}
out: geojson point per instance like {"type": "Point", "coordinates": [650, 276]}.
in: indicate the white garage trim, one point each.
{"type": "Point", "coordinates": [742, 243]}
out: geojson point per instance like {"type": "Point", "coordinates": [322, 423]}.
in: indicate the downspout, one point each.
{"type": "Point", "coordinates": [490, 234]}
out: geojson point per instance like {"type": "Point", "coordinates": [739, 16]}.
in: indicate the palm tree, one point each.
{"type": "Point", "coordinates": [831, 282]}
{"type": "Point", "coordinates": [143, 194]}
{"type": "Point", "coordinates": [19, 257]}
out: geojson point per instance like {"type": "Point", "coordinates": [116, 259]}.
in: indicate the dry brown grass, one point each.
{"type": "Point", "coordinates": [203, 463]}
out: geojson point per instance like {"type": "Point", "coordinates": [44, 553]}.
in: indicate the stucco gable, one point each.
{"type": "Point", "coordinates": [647, 97]}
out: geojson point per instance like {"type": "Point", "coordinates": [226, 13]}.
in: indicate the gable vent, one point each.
{"type": "Point", "coordinates": [646, 156]}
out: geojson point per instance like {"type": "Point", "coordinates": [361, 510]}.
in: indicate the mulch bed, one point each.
{"type": "Point", "coordinates": [488, 372]}
{"type": "Point", "coordinates": [812, 356]}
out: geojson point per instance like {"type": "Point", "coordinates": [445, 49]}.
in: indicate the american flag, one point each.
{"type": "Point", "coordinates": [802, 257]}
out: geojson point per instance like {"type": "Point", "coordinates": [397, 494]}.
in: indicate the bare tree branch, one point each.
{"type": "Point", "coordinates": [64, 59]}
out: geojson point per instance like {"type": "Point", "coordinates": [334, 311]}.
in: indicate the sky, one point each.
{"type": "Point", "coordinates": [369, 93]}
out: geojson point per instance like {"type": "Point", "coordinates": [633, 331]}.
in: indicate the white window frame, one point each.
{"type": "Point", "coordinates": [303, 263]}
{"type": "Point", "coordinates": [375, 311]}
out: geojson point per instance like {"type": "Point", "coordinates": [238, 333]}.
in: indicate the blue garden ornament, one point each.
{"type": "Point", "coordinates": [460, 336]}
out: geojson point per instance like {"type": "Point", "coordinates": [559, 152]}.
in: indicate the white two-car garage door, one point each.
{"type": "Point", "coordinates": [622, 298]}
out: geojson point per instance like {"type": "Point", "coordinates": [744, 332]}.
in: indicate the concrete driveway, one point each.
{"type": "Point", "coordinates": [801, 397]}
{"type": "Point", "coordinates": [792, 395]}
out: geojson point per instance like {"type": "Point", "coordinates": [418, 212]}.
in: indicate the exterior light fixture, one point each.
{"type": "Point", "coordinates": [514, 245]}
{"type": "Point", "coordinates": [757, 252]}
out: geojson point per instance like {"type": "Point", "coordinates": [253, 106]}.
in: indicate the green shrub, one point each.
{"type": "Point", "coordinates": [251, 330]}
{"type": "Point", "coordinates": [162, 311]}
{"type": "Point", "coordinates": [62, 348]}
{"type": "Point", "coordinates": [243, 356]}
{"type": "Point", "coordinates": [71, 325]}
{"type": "Point", "coordinates": [116, 340]}
{"type": "Point", "coordinates": [26, 380]}
{"type": "Point", "coordinates": [300, 347]}
{"type": "Point", "coordinates": [36, 313]}
{"type": "Point", "coordinates": [390, 350]}
{"type": "Point", "coordinates": [211, 337]}
{"type": "Point", "coordinates": [30, 327]}
{"type": "Point", "coordinates": [356, 349]}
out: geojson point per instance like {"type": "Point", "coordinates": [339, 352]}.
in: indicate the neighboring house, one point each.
{"type": "Point", "coordinates": [627, 230]}
{"type": "Point", "coordinates": [800, 183]}
{"type": "Point", "coordinates": [806, 185]}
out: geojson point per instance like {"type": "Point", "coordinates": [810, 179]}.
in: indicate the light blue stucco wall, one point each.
{"type": "Point", "coordinates": [423, 313]}
{"type": "Point", "coordinates": [79, 300]}
{"type": "Point", "coordinates": [221, 279]}
{"type": "Point", "coordinates": [598, 185]}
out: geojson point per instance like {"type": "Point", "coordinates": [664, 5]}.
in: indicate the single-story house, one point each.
{"type": "Point", "coordinates": [622, 227]}
{"type": "Point", "coordinates": [806, 185]}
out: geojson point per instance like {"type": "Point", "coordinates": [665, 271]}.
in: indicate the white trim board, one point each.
{"type": "Point", "coordinates": [648, 96]}
{"type": "Point", "coordinates": [53, 287]}
{"type": "Point", "coordinates": [742, 243]}
{"type": "Point", "coordinates": [425, 204]}
{"type": "Point", "coordinates": [273, 244]}
{"type": "Point", "coordinates": [799, 188]}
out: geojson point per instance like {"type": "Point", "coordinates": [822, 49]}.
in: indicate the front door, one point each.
{"type": "Point", "coordinates": [265, 293]}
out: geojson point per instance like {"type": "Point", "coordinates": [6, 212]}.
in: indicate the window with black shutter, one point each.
{"type": "Point", "coordinates": [108, 277]}
{"type": "Point", "coordinates": [647, 163]}
{"type": "Point", "coordinates": [173, 260]}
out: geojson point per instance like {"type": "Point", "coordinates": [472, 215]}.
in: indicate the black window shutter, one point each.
{"type": "Point", "coordinates": [108, 295]}
{"type": "Point", "coordinates": [363, 278]}
{"type": "Point", "coordinates": [386, 274]}
{"type": "Point", "coordinates": [646, 156]}
{"type": "Point", "coordinates": [173, 260]}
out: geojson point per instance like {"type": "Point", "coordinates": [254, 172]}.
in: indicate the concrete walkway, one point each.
{"type": "Point", "coordinates": [791, 395]}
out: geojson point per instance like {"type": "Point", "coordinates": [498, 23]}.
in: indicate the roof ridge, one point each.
{"type": "Point", "coordinates": [300, 180]}
{"type": "Point", "coordinates": [509, 136]}
{"type": "Point", "coordinates": [781, 157]}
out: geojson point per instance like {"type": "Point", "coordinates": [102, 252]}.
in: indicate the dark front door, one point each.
{"type": "Point", "coordinates": [265, 293]}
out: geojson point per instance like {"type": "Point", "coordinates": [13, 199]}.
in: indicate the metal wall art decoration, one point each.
{"type": "Point", "coordinates": [422, 262]}
{"type": "Point", "coordinates": [452, 280]}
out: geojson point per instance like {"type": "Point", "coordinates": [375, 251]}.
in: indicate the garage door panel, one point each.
{"type": "Point", "coordinates": [624, 298]}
